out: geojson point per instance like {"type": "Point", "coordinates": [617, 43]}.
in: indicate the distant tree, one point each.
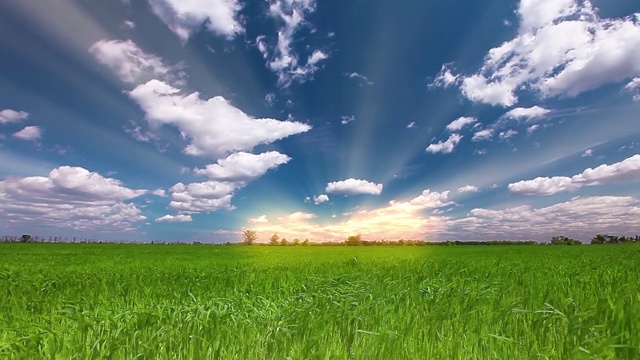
{"type": "Point", "coordinates": [274, 239]}
{"type": "Point", "coordinates": [305, 242]}
{"type": "Point", "coordinates": [249, 237]}
{"type": "Point", "coordinates": [599, 239]}
{"type": "Point", "coordinates": [354, 240]}
{"type": "Point", "coordinates": [284, 242]}
{"type": "Point", "coordinates": [25, 238]}
{"type": "Point", "coordinates": [563, 240]}
{"type": "Point", "coordinates": [296, 242]}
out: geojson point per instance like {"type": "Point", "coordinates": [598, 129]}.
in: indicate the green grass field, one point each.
{"type": "Point", "coordinates": [77, 301]}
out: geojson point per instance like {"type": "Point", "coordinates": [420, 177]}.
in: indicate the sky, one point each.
{"type": "Point", "coordinates": [193, 120]}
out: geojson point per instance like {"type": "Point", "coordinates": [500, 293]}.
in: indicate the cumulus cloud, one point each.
{"type": "Point", "coordinates": [531, 129]}
{"type": "Point", "coordinates": [361, 78]}
{"type": "Point", "coordinates": [29, 133]}
{"type": "Point", "coordinates": [353, 187]}
{"type": "Point", "coordinates": [70, 197]}
{"type": "Point", "coordinates": [562, 48]}
{"type": "Point", "coordinates": [580, 217]}
{"type": "Point", "coordinates": [627, 170]}
{"type": "Point", "coordinates": [185, 17]}
{"type": "Point", "coordinates": [9, 116]}
{"type": "Point", "coordinates": [320, 199]}
{"type": "Point", "coordinates": [480, 135]}
{"type": "Point", "coordinates": [213, 126]}
{"type": "Point", "coordinates": [468, 188]}
{"type": "Point", "coordinates": [175, 218]}
{"type": "Point", "coordinates": [429, 200]}
{"type": "Point", "coordinates": [205, 196]}
{"type": "Point", "coordinates": [243, 166]}
{"type": "Point", "coordinates": [445, 147]}
{"type": "Point", "coordinates": [634, 86]}
{"type": "Point", "coordinates": [526, 114]}
{"type": "Point", "coordinates": [459, 123]}
{"type": "Point", "coordinates": [282, 58]}
{"type": "Point", "coordinates": [129, 62]}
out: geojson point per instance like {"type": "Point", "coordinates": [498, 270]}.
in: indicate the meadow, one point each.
{"type": "Point", "coordinates": [108, 301]}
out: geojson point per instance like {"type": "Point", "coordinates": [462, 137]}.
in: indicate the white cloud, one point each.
{"type": "Point", "coordinates": [627, 170]}
{"type": "Point", "coordinates": [129, 24]}
{"type": "Point", "coordinates": [634, 85]}
{"type": "Point", "coordinates": [485, 134]}
{"type": "Point", "coordinates": [360, 77]}
{"type": "Point", "coordinates": [531, 129]}
{"type": "Point", "coordinates": [159, 192]}
{"type": "Point", "coordinates": [468, 188]}
{"type": "Point", "coordinates": [282, 58]}
{"type": "Point", "coordinates": [459, 123]}
{"type": "Point", "coordinates": [175, 218]}
{"type": "Point", "coordinates": [9, 116]}
{"type": "Point", "coordinates": [320, 199]}
{"type": "Point", "coordinates": [445, 147]}
{"type": "Point", "coordinates": [206, 196]}
{"type": "Point", "coordinates": [504, 135]}
{"type": "Point", "coordinates": [581, 217]}
{"type": "Point", "coordinates": [563, 48]}
{"type": "Point", "coordinates": [29, 133]}
{"type": "Point", "coordinates": [347, 119]}
{"type": "Point", "coordinates": [129, 62]}
{"type": "Point", "coordinates": [527, 114]}
{"type": "Point", "coordinates": [259, 220]}
{"type": "Point", "coordinates": [213, 126]}
{"type": "Point", "coordinates": [429, 200]}
{"type": "Point", "coordinates": [354, 187]}
{"type": "Point", "coordinates": [588, 153]}
{"type": "Point", "coordinates": [185, 17]}
{"type": "Point", "coordinates": [445, 78]}
{"type": "Point", "coordinates": [69, 197]}
{"type": "Point", "coordinates": [243, 166]}
{"type": "Point", "coordinates": [412, 125]}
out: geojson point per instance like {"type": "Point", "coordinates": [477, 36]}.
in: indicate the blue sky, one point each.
{"type": "Point", "coordinates": [194, 120]}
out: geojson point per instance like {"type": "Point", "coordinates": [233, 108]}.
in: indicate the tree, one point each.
{"type": "Point", "coordinates": [25, 238]}
{"type": "Point", "coordinates": [249, 237]}
{"type": "Point", "coordinates": [296, 242]}
{"type": "Point", "coordinates": [599, 239]}
{"type": "Point", "coordinates": [563, 240]}
{"type": "Point", "coordinates": [274, 239]}
{"type": "Point", "coordinates": [305, 242]}
{"type": "Point", "coordinates": [284, 242]}
{"type": "Point", "coordinates": [354, 240]}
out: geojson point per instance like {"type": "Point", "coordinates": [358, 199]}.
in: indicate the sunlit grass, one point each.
{"type": "Point", "coordinates": [197, 302]}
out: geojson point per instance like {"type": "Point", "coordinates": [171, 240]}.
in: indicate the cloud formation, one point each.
{"type": "Point", "coordinates": [213, 126]}
{"type": "Point", "coordinates": [459, 123]}
{"type": "Point", "coordinates": [563, 48]}
{"type": "Point", "coordinates": [129, 62]}
{"type": "Point", "coordinates": [580, 217]}
{"type": "Point", "coordinates": [185, 17]}
{"type": "Point", "coordinates": [29, 133]}
{"type": "Point", "coordinates": [9, 116]}
{"type": "Point", "coordinates": [180, 218]}
{"type": "Point", "coordinates": [627, 170]}
{"type": "Point", "coordinates": [282, 58]}
{"type": "Point", "coordinates": [70, 197]}
{"type": "Point", "coordinates": [243, 166]}
{"type": "Point", "coordinates": [354, 187]}
{"type": "Point", "coordinates": [445, 147]}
